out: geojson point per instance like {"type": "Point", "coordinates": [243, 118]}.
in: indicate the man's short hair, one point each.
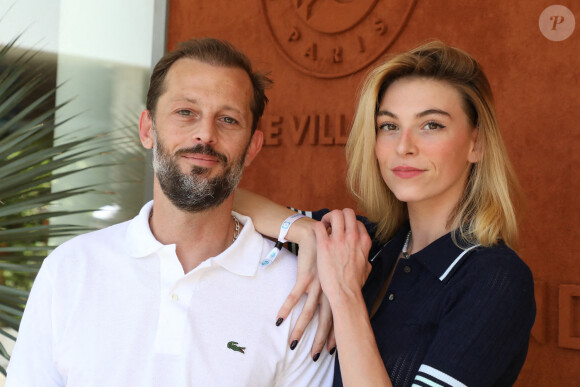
{"type": "Point", "coordinates": [217, 53]}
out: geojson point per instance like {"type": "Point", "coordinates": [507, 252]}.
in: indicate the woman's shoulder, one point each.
{"type": "Point", "coordinates": [499, 267]}
{"type": "Point", "coordinates": [499, 257]}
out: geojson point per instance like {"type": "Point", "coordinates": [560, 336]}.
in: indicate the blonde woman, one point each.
{"type": "Point", "coordinates": [448, 301]}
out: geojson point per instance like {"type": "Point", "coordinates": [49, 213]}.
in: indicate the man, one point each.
{"type": "Point", "coordinates": [176, 296]}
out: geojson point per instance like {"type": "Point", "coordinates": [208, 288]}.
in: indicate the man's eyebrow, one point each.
{"type": "Point", "coordinates": [223, 107]}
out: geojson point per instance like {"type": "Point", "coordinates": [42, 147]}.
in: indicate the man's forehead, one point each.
{"type": "Point", "coordinates": [192, 72]}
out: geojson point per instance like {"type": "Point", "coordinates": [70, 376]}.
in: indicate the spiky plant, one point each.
{"type": "Point", "coordinates": [29, 161]}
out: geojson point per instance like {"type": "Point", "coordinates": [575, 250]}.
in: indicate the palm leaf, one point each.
{"type": "Point", "coordinates": [29, 162]}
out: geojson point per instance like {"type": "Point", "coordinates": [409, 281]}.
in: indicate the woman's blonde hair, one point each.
{"type": "Point", "coordinates": [485, 214]}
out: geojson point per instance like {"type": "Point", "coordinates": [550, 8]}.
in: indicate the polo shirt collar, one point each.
{"type": "Point", "coordinates": [139, 239]}
{"type": "Point", "coordinates": [242, 257]}
{"type": "Point", "coordinates": [439, 255]}
{"type": "Point", "coordinates": [442, 257]}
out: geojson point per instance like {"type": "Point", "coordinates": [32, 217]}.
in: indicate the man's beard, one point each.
{"type": "Point", "coordinates": [193, 192]}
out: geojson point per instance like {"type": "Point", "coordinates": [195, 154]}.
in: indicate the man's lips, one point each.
{"type": "Point", "coordinates": [201, 159]}
{"type": "Point", "coordinates": [406, 172]}
{"type": "Point", "coordinates": [203, 155]}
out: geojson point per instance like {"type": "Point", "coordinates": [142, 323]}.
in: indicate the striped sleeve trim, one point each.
{"type": "Point", "coordinates": [431, 377]}
{"type": "Point", "coordinates": [293, 247]}
{"type": "Point", "coordinates": [306, 213]}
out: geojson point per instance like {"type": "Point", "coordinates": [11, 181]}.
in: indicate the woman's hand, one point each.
{"type": "Point", "coordinates": [307, 282]}
{"type": "Point", "coordinates": [343, 246]}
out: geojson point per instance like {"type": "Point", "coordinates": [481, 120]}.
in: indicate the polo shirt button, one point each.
{"type": "Point", "coordinates": [391, 297]}
{"type": "Point", "coordinates": [174, 297]}
{"type": "Point", "coordinates": [407, 269]}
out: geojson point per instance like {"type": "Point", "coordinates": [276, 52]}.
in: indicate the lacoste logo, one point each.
{"type": "Point", "coordinates": [233, 345]}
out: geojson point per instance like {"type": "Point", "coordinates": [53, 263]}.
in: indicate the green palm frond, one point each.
{"type": "Point", "coordinates": [29, 162]}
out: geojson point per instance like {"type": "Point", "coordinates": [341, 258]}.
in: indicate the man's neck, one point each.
{"type": "Point", "coordinates": [197, 236]}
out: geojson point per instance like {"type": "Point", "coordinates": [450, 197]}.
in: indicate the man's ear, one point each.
{"type": "Point", "coordinates": [254, 147]}
{"type": "Point", "coordinates": [146, 129]}
{"type": "Point", "coordinates": [476, 151]}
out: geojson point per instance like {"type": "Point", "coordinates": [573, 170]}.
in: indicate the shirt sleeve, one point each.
{"type": "Point", "coordinates": [300, 369]}
{"type": "Point", "coordinates": [483, 335]}
{"type": "Point", "coordinates": [31, 364]}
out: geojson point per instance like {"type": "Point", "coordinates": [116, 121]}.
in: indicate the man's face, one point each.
{"type": "Point", "coordinates": [201, 133]}
{"type": "Point", "coordinates": [193, 191]}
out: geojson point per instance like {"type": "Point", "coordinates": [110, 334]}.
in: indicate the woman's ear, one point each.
{"type": "Point", "coordinates": [476, 151]}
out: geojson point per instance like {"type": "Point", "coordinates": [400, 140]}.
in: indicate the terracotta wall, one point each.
{"type": "Point", "coordinates": [317, 57]}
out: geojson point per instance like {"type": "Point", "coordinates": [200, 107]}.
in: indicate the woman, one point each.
{"type": "Point", "coordinates": [450, 302]}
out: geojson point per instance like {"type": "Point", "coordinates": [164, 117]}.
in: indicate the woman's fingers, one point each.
{"type": "Point", "coordinates": [297, 291]}
{"type": "Point", "coordinates": [324, 327]}
{"type": "Point", "coordinates": [331, 342]}
{"type": "Point", "coordinates": [334, 222]}
{"type": "Point", "coordinates": [306, 314]}
{"type": "Point", "coordinates": [366, 246]}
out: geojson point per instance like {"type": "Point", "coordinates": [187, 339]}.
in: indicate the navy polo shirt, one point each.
{"type": "Point", "coordinates": [451, 316]}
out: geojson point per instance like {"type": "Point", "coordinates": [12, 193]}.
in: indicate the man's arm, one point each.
{"type": "Point", "coordinates": [32, 361]}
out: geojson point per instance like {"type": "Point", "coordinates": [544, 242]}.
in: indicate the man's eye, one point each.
{"type": "Point", "coordinates": [229, 120]}
{"type": "Point", "coordinates": [184, 112]}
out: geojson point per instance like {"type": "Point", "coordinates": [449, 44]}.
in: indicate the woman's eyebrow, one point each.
{"type": "Point", "coordinates": [386, 113]}
{"type": "Point", "coordinates": [418, 115]}
{"type": "Point", "coordinates": [432, 111]}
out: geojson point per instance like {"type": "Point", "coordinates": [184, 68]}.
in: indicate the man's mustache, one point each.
{"type": "Point", "coordinates": [204, 149]}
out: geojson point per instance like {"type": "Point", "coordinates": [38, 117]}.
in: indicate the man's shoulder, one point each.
{"type": "Point", "coordinates": [108, 234]}
{"type": "Point", "coordinates": [91, 243]}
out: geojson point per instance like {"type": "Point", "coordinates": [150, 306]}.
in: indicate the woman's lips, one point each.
{"type": "Point", "coordinates": [405, 172]}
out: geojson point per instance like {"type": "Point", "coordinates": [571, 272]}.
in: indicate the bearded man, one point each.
{"type": "Point", "coordinates": [184, 294]}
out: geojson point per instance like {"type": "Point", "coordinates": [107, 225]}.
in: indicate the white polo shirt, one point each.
{"type": "Point", "coordinates": [114, 308]}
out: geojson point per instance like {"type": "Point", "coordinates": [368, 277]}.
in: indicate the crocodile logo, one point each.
{"type": "Point", "coordinates": [233, 345]}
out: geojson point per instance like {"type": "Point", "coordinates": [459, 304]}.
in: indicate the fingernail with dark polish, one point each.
{"type": "Point", "coordinates": [293, 344]}
{"type": "Point", "coordinates": [316, 356]}
{"type": "Point", "coordinates": [332, 351]}
{"type": "Point", "coordinates": [279, 321]}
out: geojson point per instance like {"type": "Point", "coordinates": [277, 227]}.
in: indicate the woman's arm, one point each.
{"type": "Point", "coordinates": [267, 217]}
{"type": "Point", "coordinates": [343, 268]}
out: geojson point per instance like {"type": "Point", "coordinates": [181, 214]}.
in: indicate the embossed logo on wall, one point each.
{"type": "Point", "coordinates": [335, 38]}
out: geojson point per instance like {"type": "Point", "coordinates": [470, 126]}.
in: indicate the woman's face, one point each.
{"type": "Point", "coordinates": [425, 143]}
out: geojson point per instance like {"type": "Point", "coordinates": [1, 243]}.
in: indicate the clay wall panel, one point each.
{"type": "Point", "coordinates": [317, 64]}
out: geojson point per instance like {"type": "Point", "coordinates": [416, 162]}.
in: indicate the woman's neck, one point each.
{"type": "Point", "coordinates": [428, 223]}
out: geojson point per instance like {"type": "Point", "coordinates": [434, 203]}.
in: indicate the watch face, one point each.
{"type": "Point", "coordinates": [335, 38]}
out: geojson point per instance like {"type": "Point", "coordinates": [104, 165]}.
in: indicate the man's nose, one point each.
{"type": "Point", "coordinates": [205, 131]}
